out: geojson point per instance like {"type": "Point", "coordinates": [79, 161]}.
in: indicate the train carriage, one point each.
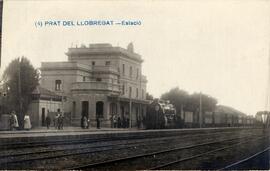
{"type": "Point", "coordinates": [162, 114]}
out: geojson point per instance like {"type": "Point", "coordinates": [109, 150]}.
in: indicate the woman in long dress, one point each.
{"type": "Point", "coordinates": [13, 121]}
{"type": "Point", "coordinates": [27, 122]}
{"type": "Point", "coordinates": [85, 123]}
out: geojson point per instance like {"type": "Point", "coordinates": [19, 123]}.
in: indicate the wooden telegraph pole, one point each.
{"type": "Point", "coordinates": [20, 92]}
{"type": "Point", "coordinates": [200, 110]}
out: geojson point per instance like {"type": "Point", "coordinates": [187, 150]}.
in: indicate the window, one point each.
{"type": "Point", "coordinates": [74, 109]}
{"type": "Point", "coordinates": [130, 71]}
{"type": "Point", "coordinates": [137, 75]}
{"type": "Point", "coordinates": [123, 89]}
{"type": "Point", "coordinates": [108, 63]}
{"type": "Point", "coordinates": [142, 93]}
{"type": "Point", "coordinates": [93, 63]}
{"type": "Point", "coordinates": [137, 92]}
{"type": "Point", "coordinates": [58, 85]}
{"type": "Point", "coordinates": [130, 91]}
{"type": "Point", "coordinates": [123, 68]}
{"type": "Point", "coordinates": [84, 78]}
{"type": "Point", "coordinates": [98, 79]}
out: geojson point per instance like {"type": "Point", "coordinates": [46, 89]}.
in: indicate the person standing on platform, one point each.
{"type": "Point", "coordinates": [48, 121]}
{"type": "Point", "coordinates": [27, 122]}
{"type": "Point", "coordinates": [98, 123]}
{"type": "Point", "coordinates": [84, 122]}
{"type": "Point", "coordinates": [61, 121]}
{"type": "Point", "coordinates": [11, 121]}
{"type": "Point", "coordinates": [119, 122]}
{"type": "Point", "coordinates": [55, 120]}
{"type": "Point", "coordinates": [127, 123]}
{"type": "Point", "coordinates": [123, 122]}
{"type": "Point", "coordinates": [114, 121]}
{"type": "Point", "coordinates": [14, 121]}
{"type": "Point", "coordinates": [88, 123]}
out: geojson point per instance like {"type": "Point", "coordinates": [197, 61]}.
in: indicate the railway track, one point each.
{"type": "Point", "coordinates": [116, 163]}
{"type": "Point", "coordinates": [15, 145]}
{"type": "Point", "coordinates": [52, 147]}
{"type": "Point", "coordinates": [134, 145]}
{"type": "Point", "coordinates": [236, 165]}
{"type": "Point", "coordinates": [95, 149]}
{"type": "Point", "coordinates": [94, 143]}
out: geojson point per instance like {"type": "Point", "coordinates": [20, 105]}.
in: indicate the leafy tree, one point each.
{"type": "Point", "coordinates": [20, 78]}
{"type": "Point", "coordinates": [149, 96]}
{"type": "Point", "coordinates": [183, 101]}
{"type": "Point", "coordinates": [208, 103]}
{"type": "Point", "coordinates": [177, 97]}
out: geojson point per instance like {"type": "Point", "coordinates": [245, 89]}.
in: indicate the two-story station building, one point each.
{"type": "Point", "coordinates": [97, 81]}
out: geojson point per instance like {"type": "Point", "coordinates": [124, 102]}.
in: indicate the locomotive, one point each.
{"type": "Point", "coordinates": [160, 114]}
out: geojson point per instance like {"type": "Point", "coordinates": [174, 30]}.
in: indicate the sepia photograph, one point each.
{"type": "Point", "coordinates": [134, 85]}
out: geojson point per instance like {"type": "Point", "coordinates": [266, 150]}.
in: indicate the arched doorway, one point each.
{"type": "Point", "coordinates": [99, 109]}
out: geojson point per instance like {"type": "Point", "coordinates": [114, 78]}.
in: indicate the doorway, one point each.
{"type": "Point", "coordinates": [99, 109]}
{"type": "Point", "coordinates": [85, 108]}
{"type": "Point", "coordinates": [43, 116]}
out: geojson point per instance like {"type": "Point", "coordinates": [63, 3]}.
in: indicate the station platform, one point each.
{"type": "Point", "coordinates": [78, 132]}
{"type": "Point", "coordinates": [43, 131]}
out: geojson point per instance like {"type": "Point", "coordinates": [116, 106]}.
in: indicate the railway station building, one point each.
{"type": "Point", "coordinates": [98, 81]}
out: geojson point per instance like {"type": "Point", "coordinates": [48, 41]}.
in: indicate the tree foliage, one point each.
{"type": "Point", "coordinates": [184, 101]}
{"type": "Point", "coordinates": [179, 98]}
{"type": "Point", "coordinates": [149, 96]}
{"type": "Point", "coordinates": [20, 78]}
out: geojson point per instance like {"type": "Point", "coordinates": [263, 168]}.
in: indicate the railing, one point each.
{"type": "Point", "coordinates": [105, 68]}
{"type": "Point", "coordinates": [95, 85]}
{"type": "Point", "coordinates": [63, 65]}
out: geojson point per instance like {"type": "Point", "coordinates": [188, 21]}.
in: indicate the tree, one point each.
{"type": "Point", "coordinates": [183, 101]}
{"type": "Point", "coordinates": [208, 103]}
{"type": "Point", "coordinates": [20, 78]}
{"type": "Point", "coordinates": [177, 97]}
{"type": "Point", "coordinates": [149, 96]}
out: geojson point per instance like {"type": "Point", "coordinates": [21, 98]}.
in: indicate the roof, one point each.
{"type": "Point", "coordinates": [43, 92]}
{"type": "Point", "coordinates": [227, 109]}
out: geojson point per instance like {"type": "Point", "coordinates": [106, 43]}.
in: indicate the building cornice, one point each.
{"type": "Point", "coordinates": [84, 52]}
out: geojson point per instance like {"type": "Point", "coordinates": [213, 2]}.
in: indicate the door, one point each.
{"type": "Point", "coordinates": [99, 109]}
{"type": "Point", "coordinates": [43, 116]}
{"type": "Point", "coordinates": [85, 107]}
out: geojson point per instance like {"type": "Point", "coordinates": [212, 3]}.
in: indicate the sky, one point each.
{"type": "Point", "coordinates": [217, 47]}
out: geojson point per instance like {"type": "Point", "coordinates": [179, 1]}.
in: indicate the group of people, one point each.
{"type": "Point", "coordinates": [14, 124]}
{"type": "Point", "coordinates": [120, 122]}
{"type": "Point", "coordinates": [85, 122]}
{"type": "Point", "coordinates": [58, 121]}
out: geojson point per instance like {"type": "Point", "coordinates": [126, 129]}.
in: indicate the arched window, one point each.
{"type": "Point", "coordinates": [58, 85]}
